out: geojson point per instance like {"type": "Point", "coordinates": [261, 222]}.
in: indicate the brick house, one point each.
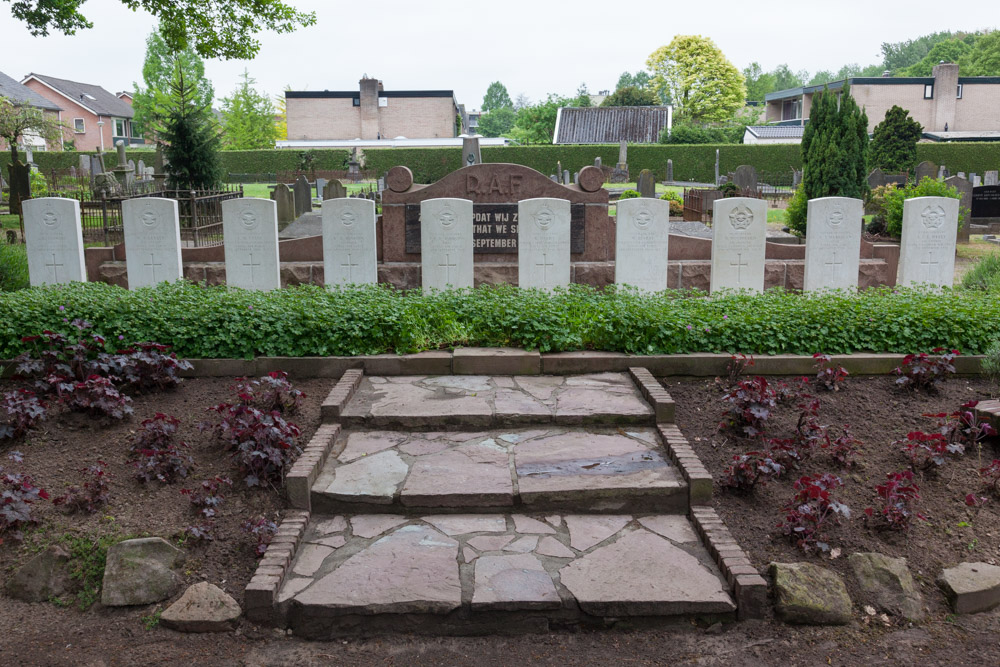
{"type": "Point", "coordinates": [24, 96]}
{"type": "Point", "coordinates": [96, 118]}
{"type": "Point", "coordinates": [943, 102]}
{"type": "Point", "coordinates": [370, 113]}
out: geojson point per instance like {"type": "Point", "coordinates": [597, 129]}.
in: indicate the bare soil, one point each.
{"type": "Point", "coordinates": [47, 634]}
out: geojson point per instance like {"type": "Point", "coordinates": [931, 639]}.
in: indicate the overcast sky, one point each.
{"type": "Point", "coordinates": [533, 47]}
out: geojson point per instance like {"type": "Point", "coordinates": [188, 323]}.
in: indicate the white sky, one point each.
{"type": "Point", "coordinates": [533, 47]}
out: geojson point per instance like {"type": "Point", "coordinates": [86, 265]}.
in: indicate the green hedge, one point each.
{"type": "Point", "coordinates": [309, 320]}
{"type": "Point", "coordinates": [970, 157]}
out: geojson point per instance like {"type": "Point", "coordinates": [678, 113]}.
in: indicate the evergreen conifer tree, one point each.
{"type": "Point", "coordinates": [190, 136]}
{"type": "Point", "coordinates": [894, 146]}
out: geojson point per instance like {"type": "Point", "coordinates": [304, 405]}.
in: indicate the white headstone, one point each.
{"type": "Point", "coordinates": [320, 184]}
{"type": "Point", "coordinates": [641, 237]}
{"type": "Point", "coordinates": [54, 239]}
{"type": "Point", "coordinates": [930, 231]}
{"type": "Point", "coordinates": [833, 243]}
{"type": "Point", "coordinates": [250, 237]}
{"type": "Point", "coordinates": [349, 252]}
{"type": "Point", "coordinates": [446, 243]}
{"type": "Point", "coordinates": [739, 237]}
{"type": "Point", "coordinates": [543, 242]}
{"type": "Point", "coordinates": [152, 241]}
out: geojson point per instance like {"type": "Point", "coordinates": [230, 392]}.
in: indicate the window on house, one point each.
{"type": "Point", "coordinates": [958, 93]}
{"type": "Point", "coordinates": [356, 101]}
{"type": "Point", "coordinates": [928, 91]}
{"type": "Point", "coordinates": [383, 101]}
{"type": "Point", "coordinates": [78, 126]}
{"type": "Point", "coordinates": [120, 128]}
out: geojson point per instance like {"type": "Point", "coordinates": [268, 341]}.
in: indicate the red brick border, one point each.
{"type": "Point", "coordinates": [749, 588]}
{"type": "Point", "coordinates": [654, 393]}
{"type": "Point", "coordinates": [341, 393]}
{"type": "Point", "coordinates": [305, 470]}
{"type": "Point", "coordinates": [258, 599]}
{"type": "Point", "coordinates": [695, 474]}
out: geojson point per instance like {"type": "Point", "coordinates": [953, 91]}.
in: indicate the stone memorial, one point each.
{"type": "Point", "coordinates": [833, 243]}
{"type": "Point", "coordinates": [250, 238]}
{"type": "Point", "coordinates": [991, 177]}
{"type": "Point", "coordinates": [597, 161]}
{"type": "Point", "coordinates": [349, 251]}
{"type": "Point", "coordinates": [620, 173]}
{"type": "Point", "coordinates": [670, 170]}
{"type": "Point", "coordinates": [152, 241]}
{"type": "Point", "coordinates": [942, 173]}
{"type": "Point", "coordinates": [965, 190]}
{"type": "Point", "coordinates": [985, 206]}
{"type": "Point", "coordinates": [303, 196]}
{"type": "Point", "coordinates": [927, 254]}
{"type": "Point", "coordinates": [976, 180]}
{"type": "Point", "coordinates": [54, 238]}
{"type": "Point", "coordinates": [646, 184]}
{"type": "Point", "coordinates": [285, 201]}
{"type": "Point", "coordinates": [926, 169]}
{"type": "Point", "coordinates": [739, 237]}
{"type": "Point", "coordinates": [875, 179]}
{"type": "Point", "coordinates": [320, 185]}
{"type": "Point", "coordinates": [85, 163]}
{"type": "Point", "coordinates": [745, 178]}
{"type": "Point", "coordinates": [566, 177]}
{"type": "Point", "coordinates": [334, 190]}
{"type": "Point", "coordinates": [446, 243]}
{"type": "Point", "coordinates": [543, 243]}
{"type": "Point", "coordinates": [641, 238]}
{"type": "Point", "coordinates": [471, 153]}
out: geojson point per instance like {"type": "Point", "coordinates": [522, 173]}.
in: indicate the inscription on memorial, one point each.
{"type": "Point", "coordinates": [495, 228]}
{"type": "Point", "coordinates": [986, 201]}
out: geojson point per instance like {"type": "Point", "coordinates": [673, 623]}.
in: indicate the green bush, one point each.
{"type": "Point", "coordinates": [308, 320]}
{"type": "Point", "coordinates": [928, 187]}
{"type": "Point", "coordinates": [629, 194]}
{"type": "Point", "coordinates": [39, 186]}
{"type": "Point", "coordinates": [991, 362]}
{"type": "Point", "coordinates": [984, 275]}
{"type": "Point", "coordinates": [798, 209]}
{"type": "Point", "coordinates": [13, 267]}
{"type": "Point", "coordinates": [676, 202]}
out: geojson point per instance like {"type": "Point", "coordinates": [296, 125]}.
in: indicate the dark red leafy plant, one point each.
{"type": "Point", "coordinates": [928, 450]}
{"type": "Point", "coordinates": [263, 530]}
{"type": "Point", "coordinates": [829, 375]}
{"type": "Point", "coordinates": [747, 470]}
{"type": "Point", "coordinates": [90, 496]}
{"type": "Point", "coordinates": [24, 410]}
{"type": "Point", "coordinates": [96, 396]}
{"type": "Point", "coordinates": [922, 371]}
{"type": "Point", "coordinates": [148, 367]}
{"type": "Point", "coordinates": [751, 404]}
{"type": "Point", "coordinates": [18, 493]}
{"type": "Point", "coordinates": [269, 393]}
{"type": "Point", "coordinates": [812, 510]}
{"type": "Point", "coordinates": [156, 455]}
{"type": "Point", "coordinates": [263, 444]}
{"type": "Point", "coordinates": [899, 496]}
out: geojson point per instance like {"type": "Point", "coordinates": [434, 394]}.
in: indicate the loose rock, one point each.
{"type": "Point", "coordinates": [971, 587]}
{"type": "Point", "coordinates": [810, 594]}
{"type": "Point", "coordinates": [204, 607]}
{"type": "Point", "coordinates": [887, 584]}
{"type": "Point", "coordinates": [140, 572]}
{"type": "Point", "coordinates": [41, 578]}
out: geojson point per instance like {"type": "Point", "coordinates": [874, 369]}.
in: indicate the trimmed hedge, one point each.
{"type": "Point", "coordinates": [970, 157]}
{"type": "Point", "coordinates": [205, 322]}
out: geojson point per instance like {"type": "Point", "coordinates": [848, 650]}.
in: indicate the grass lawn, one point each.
{"type": "Point", "coordinates": [8, 221]}
{"type": "Point", "coordinates": [976, 248]}
{"type": "Point", "coordinates": [660, 188]}
{"type": "Point", "coordinates": [263, 190]}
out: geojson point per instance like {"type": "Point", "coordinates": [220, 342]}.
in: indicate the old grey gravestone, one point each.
{"type": "Point", "coordinates": [320, 184]}
{"type": "Point", "coordinates": [745, 177]}
{"type": "Point", "coordinates": [250, 238]}
{"type": "Point", "coordinates": [303, 196]}
{"type": "Point", "coordinates": [646, 184]}
{"type": "Point", "coordinates": [670, 170]}
{"type": "Point", "coordinates": [334, 190]}
{"type": "Point", "coordinates": [927, 253]}
{"type": "Point", "coordinates": [285, 201]}
{"type": "Point", "coordinates": [471, 153]}
{"type": "Point", "coordinates": [620, 173]}
{"type": "Point", "coordinates": [926, 170]}
{"type": "Point", "coordinates": [964, 188]}
{"type": "Point", "coordinates": [991, 177]}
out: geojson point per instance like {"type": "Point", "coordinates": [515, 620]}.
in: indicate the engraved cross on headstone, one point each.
{"type": "Point", "coordinates": [835, 262]}
{"type": "Point", "coordinates": [350, 268]}
{"type": "Point", "coordinates": [544, 264]}
{"type": "Point", "coordinates": [739, 264]}
{"type": "Point", "coordinates": [152, 267]}
{"type": "Point", "coordinates": [55, 270]}
{"type": "Point", "coordinates": [447, 267]}
{"type": "Point", "coordinates": [930, 259]}
{"type": "Point", "coordinates": [251, 265]}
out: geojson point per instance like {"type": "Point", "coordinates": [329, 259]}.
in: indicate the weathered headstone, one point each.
{"type": "Point", "coordinates": [926, 169]}
{"type": "Point", "coordinates": [285, 202]}
{"type": "Point", "coordinates": [54, 239]}
{"type": "Point", "coordinates": [961, 174]}
{"type": "Point", "coordinates": [991, 177]}
{"type": "Point", "coordinates": [334, 190]}
{"type": "Point", "coordinates": [320, 184]}
{"type": "Point", "coordinates": [641, 238]}
{"type": "Point", "coordinates": [943, 172]}
{"type": "Point", "coordinates": [576, 178]}
{"type": "Point", "coordinates": [976, 180]}
{"type": "Point", "coordinates": [622, 154]}
{"type": "Point", "coordinates": [745, 177]}
{"type": "Point", "coordinates": [250, 238]}
{"type": "Point", "coordinates": [670, 169]}
{"type": "Point", "coordinates": [986, 204]}
{"type": "Point", "coordinates": [833, 243]}
{"type": "Point", "coordinates": [543, 243]}
{"type": "Point", "coordinates": [152, 241]}
{"type": "Point", "coordinates": [72, 172]}
{"type": "Point", "coordinates": [470, 151]}
{"type": "Point", "coordinates": [349, 252]}
{"type": "Point", "coordinates": [965, 189]}
{"type": "Point", "coordinates": [303, 196]}
{"type": "Point", "coordinates": [597, 161]}
{"type": "Point", "coordinates": [927, 255]}
{"type": "Point", "coordinates": [85, 161]}
{"type": "Point", "coordinates": [876, 178]}
{"type": "Point", "coordinates": [141, 170]}
{"type": "Point", "coordinates": [446, 243]}
{"type": "Point", "coordinates": [717, 166]}
{"type": "Point", "coordinates": [646, 184]}
{"type": "Point", "coordinates": [566, 177]}
{"type": "Point", "coordinates": [796, 177]}
{"type": "Point", "coordinates": [739, 237]}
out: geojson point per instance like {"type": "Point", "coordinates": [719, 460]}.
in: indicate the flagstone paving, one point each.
{"type": "Point", "coordinates": [480, 401]}
{"type": "Point", "coordinates": [466, 564]}
{"type": "Point", "coordinates": [594, 468]}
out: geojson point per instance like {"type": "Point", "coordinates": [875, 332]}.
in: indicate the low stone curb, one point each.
{"type": "Point", "coordinates": [654, 393]}
{"type": "Point", "coordinates": [341, 393]}
{"type": "Point", "coordinates": [258, 602]}
{"type": "Point", "coordinates": [496, 361]}
{"type": "Point", "coordinates": [698, 479]}
{"type": "Point", "coordinates": [749, 588]}
{"type": "Point", "coordinates": [305, 470]}
{"type": "Point", "coordinates": [989, 411]}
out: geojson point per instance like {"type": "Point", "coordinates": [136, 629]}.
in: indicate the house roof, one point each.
{"type": "Point", "coordinates": [874, 81]}
{"type": "Point", "coordinates": [321, 94]}
{"type": "Point", "coordinates": [19, 94]}
{"type": "Point", "coordinates": [609, 125]}
{"type": "Point", "coordinates": [776, 131]}
{"type": "Point", "coordinates": [91, 97]}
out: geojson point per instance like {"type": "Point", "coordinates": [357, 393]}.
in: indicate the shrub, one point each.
{"type": "Point", "coordinates": [844, 449]}
{"type": "Point", "coordinates": [811, 510]}
{"type": "Point", "coordinates": [96, 396]}
{"type": "Point", "coordinates": [962, 427]}
{"type": "Point", "coordinates": [927, 187]}
{"type": "Point", "coordinates": [157, 456]}
{"type": "Point", "coordinates": [19, 494]}
{"type": "Point", "coordinates": [263, 444]}
{"type": "Point", "coordinates": [92, 495]}
{"type": "Point", "coordinates": [271, 392]}
{"type": "Point", "coordinates": [676, 202]}
{"type": "Point", "coordinates": [629, 194]}
{"type": "Point", "coordinates": [921, 371]}
{"type": "Point", "coordinates": [751, 403]}
{"type": "Point", "coordinates": [894, 144]}
{"type": "Point", "coordinates": [991, 362]}
{"type": "Point", "coordinates": [263, 530]}
{"type": "Point", "coordinates": [147, 366]}
{"type": "Point", "coordinates": [737, 365]}
{"type": "Point", "coordinates": [926, 450]}
{"type": "Point", "coordinates": [899, 498]}
{"type": "Point", "coordinates": [206, 500]}
{"type": "Point", "coordinates": [13, 267]}
{"type": "Point", "coordinates": [984, 274]}
{"type": "Point", "coordinates": [748, 469]}
{"type": "Point", "coordinates": [828, 375]}
{"type": "Point", "coordinates": [24, 410]}
{"type": "Point", "coordinates": [797, 211]}
{"type": "Point", "coordinates": [875, 203]}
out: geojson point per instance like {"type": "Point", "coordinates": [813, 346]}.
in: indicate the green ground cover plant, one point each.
{"type": "Point", "coordinates": [207, 322]}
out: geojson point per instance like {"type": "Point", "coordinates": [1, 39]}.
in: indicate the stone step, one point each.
{"type": "Point", "coordinates": [549, 467]}
{"type": "Point", "coordinates": [473, 573]}
{"type": "Point", "coordinates": [487, 401]}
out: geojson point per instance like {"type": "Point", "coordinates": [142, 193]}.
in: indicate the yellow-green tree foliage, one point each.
{"type": "Point", "coordinates": [698, 79]}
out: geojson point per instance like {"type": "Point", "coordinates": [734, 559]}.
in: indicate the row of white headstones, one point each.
{"type": "Point", "coordinates": [250, 230]}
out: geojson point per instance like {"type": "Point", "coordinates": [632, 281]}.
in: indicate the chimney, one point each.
{"type": "Point", "coordinates": [369, 107]}
{"type": "Point", "coordinates": [945, 95]}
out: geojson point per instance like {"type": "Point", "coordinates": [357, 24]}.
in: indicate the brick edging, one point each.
{"type": "Point", "coordinates": [260, 593]}
{"type": "Point", "coordinates": [654, 393]}
{"type": "Point", "coordinates": [749, 588]}
{"type": "Point", "coordinates": [696, 475]}
{"type": "Point", "coordinates": [341, 393]}
{"type": "Point", "coordinates": [305, 470]}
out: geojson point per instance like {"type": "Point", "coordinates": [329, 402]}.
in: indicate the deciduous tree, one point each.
{"type": "Point", "coordinates": [248, 118]}
{"type": "Point", "coordinates": [630, 96]}
{"type": "Point", "coordinates": [18, 120]}
{"type": "Point", "coordinates": [497, 122]}
{"type": "Point", "coordinates": [536, 124]}
{"type": "Point", "coordinates": [698, 79]}
{"type": "Point", "coordinates": [984, 59]}
{"type": "Point", "coordinates": [496, 98]}
{"type": "Point", "coordinates": [158, 70]}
